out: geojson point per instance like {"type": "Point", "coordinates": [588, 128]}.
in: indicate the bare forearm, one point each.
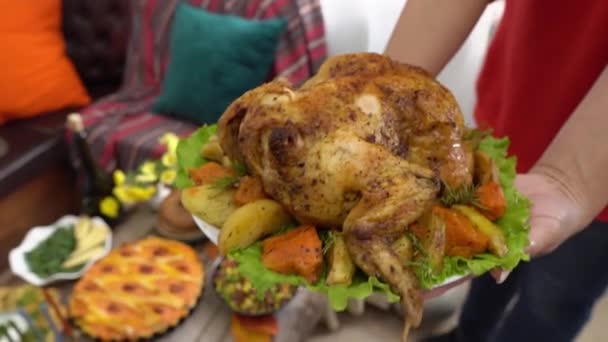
{"type": "Point", "coordinates": [429, 32]}
{"type": "Point", "coordinates": [577, 158]}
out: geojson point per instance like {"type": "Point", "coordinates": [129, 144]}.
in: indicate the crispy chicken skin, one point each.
{"type": "Point", "coordinates": [363, 146]}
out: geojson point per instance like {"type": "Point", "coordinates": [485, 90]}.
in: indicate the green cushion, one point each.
{"type": "Point", "coordinates": [214, 59]}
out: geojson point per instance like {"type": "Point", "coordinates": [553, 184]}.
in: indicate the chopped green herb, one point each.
{"type": "Point", "coordinates": [327, 239]}
{"type": "Point", "coordinates": [47, 258]}
{"type": "Point", "coordinates": [421, 264]}
{"type": "Point", "coordinates": [286, 228]}
{"type": "Point", "coordinates": [240, 169]}
{"type": "Point", "coordinates": [417, 244]}
{"type": "Point", "coordinates": [225, 183]}
{"type": "Point", "coordinates": [464, 194]}
{"type": "Point", "coordinates": [476, 135]}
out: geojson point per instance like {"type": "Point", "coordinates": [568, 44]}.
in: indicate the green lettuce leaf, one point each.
{"type": "Point", "coordinates": [262, 279]}
{"type": "Point", "coordinates": [189, 155]}
{"type": "Point", "coordinates": [361, 287]}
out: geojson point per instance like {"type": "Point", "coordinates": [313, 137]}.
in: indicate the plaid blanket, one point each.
{"type": "Point", "coordinates": [122, 130]}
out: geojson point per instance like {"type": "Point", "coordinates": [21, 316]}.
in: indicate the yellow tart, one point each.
{"type": "Point", "coordinates": [138, 290]}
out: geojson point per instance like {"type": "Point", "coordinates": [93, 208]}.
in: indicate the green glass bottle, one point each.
{"type": "Point", "coordinates": [95, 183]}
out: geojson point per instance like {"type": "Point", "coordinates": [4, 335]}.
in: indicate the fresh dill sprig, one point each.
{"type": "Point", "coordinates": [225, 183]}
{"type": "Point", "coordinates": [464, 194]}
{"type": "Point", "coordinates": [327, 239]}
{"type": "Point", "coordinates": [421, 264]}
{"type": "Point", "coordinates": [417, 244]}
{"type": "Point", "coordinates": [422, 268]}
{"type": "Point", "coordinates": [285, 228]}
{"type": "Point", "coordinates": [476, 134]}
{"type": "Point", "coordinates": [240, 169]}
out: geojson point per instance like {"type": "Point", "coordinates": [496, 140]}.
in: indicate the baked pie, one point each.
{"type": "Point", "coordinates": [138, 290]}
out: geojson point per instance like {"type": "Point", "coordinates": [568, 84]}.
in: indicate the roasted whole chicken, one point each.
{"type": "Point", "coordinates": [365, 146]}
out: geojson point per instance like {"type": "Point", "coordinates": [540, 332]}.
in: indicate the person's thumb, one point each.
{"type": "Point", "coordinates": [545, 235]}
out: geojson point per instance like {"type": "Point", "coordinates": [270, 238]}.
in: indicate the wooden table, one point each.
{"type": "Point", "coordinates": [210, 320]}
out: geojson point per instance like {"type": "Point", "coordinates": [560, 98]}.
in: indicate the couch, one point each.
{"type": "Point", "coordinates": [119, 49]}
{"type": "Point", "coordinates": [122, 127]}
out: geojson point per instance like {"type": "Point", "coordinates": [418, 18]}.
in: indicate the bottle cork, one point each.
{"type": "Point", "coordinates": [74, 122]}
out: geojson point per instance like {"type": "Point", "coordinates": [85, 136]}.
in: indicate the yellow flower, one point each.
{"type": "Point", "coordinates": [122, 193]}
{"type": "Point", "coordinates": [109, 206]}
{"type": "Point", "coordinates": [148, 168]}
{"type": "Point", "coordinates": [131, 194]}
{"type": "Point", "coordinates": [168, 176]}
{"type": "Point", "coordinates": [141, 193]}
{"type": "Point", "coordinates": [168, 159]}
{"type": "Point", "coordinates": [170, 140]}
{"type": "Point", "coordinates": [119, 177]}
{"type": "Point", "coordinates": [145, 178]}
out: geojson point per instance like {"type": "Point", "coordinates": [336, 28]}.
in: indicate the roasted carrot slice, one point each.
{"type": "Point", "coordinates": [267, 323]}
{"type": "Point", "coordinates": [209, 173]}
{"type": "Point", "coordinates": [243, 332]}
{"type": "Point", "coordinates": [250, 189]}
{"type": "Point", "coordinates": [297, 251]}
{"type": "Point", "coordinates": [462, 239]}
{"type": "Point", "coordinates": [497, 243]}
{"type": "Point", "coordinates": [492, 203]}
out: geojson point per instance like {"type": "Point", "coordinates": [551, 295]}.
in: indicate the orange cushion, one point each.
{"type": "Point", "coordinates": [37, 76]}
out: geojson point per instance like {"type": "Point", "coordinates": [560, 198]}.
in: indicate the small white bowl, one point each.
{"type": "Point", "coordinates": [38, 234]}
{"type": "Point", "coordinates": [213, 233]}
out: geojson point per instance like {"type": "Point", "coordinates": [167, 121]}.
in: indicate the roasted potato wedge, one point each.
{"type": "Point", "coordinates": [435, 245]}
{"type": "Point", "coordinates": [210, 204]}
{"type": "Point", "coordinates": [212, 150]}
{"type": "Point", "coordinates": [497, 243]}
{"type": "Point", "coordinates": [461, 236]}
{"type": "Point", "coordinates": [433, 239]}
{"type": "Point", "coordinates": [341, 266]}
{"type": "Point", "coordinates": [485, 168]}
{"type": "Point", "coordinates": [249, 223]}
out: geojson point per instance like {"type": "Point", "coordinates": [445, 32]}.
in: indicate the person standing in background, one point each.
{"type": "Point", "coordinates": [544, 84]}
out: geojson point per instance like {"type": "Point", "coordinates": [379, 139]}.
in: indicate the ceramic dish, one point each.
{"type": "Point", "coordinates": [37, 235]}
